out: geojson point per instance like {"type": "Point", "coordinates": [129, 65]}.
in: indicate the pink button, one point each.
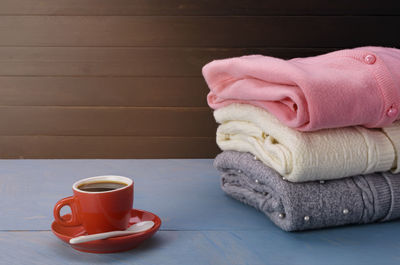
{"type": "Point", "coordinates": [370, 59]}
{"type": "Point", "coordinates": [392, 112]}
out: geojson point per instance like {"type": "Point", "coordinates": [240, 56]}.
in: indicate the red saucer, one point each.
{"type": "Point", "coordinates": [115, 244]}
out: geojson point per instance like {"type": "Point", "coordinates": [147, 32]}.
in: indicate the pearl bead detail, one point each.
{"type": "Point", "coordinates": [370, 59]}
{"type": "Point", "coordinates": [345, 211]}
{"type": "Point", "coordinates": [256, 181]}
{"type": "Point", "coordinates": [282, 215]}
{"type": "Point", "coordinates": [306, 218]}
{"type": "Point", "coordinates": [322, 181]}
{"type": "Point", "coordinates": [392, 112]}
{"type": "Point", "coordinates": [255, 158]}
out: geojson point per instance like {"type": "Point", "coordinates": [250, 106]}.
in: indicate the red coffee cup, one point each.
{"type": "Point", "coordinates": [98, 211]}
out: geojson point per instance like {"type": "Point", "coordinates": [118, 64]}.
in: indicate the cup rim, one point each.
{"type": "Point", "coordinates": [123, 179]}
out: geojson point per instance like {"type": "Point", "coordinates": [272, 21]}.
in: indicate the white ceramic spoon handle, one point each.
{"type": "Point", "coordinates": [82, 239]}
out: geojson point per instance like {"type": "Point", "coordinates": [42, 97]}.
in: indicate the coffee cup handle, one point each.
{"type": "Point", "coordinates": [74, 220]}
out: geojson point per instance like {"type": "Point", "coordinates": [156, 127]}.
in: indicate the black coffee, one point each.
{"type": "Point", "coordinates": [101, 186]}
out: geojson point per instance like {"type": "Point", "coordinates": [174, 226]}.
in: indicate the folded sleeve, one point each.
{"type": "Point", "coordinates": [344, 88]}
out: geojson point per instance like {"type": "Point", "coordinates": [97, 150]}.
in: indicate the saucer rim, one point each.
{"type": "Point", "coordinates": [157, 225]}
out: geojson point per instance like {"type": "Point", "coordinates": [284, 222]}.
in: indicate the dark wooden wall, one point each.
{"type": "Point", "coordinates": [122, 78]}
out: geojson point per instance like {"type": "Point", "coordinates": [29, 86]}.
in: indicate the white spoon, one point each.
{"type": "Point", "coordinates": [136, 228]}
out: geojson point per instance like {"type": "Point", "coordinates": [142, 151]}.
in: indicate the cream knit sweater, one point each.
{"type": "Point", "coordinates": [307, 156]}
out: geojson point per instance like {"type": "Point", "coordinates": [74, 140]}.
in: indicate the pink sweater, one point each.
{"type": "Point", "coordinates": [349, 87]}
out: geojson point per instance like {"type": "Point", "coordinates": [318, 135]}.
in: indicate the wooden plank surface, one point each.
{"type": "Point", "coordinates": [193, 7]}
{"type": "Point", "coordinates": [184, 31]}
{"type": "Point", "coordinates": [367, 246]}
{"type": "Point", "coordinates": [107, 147]}
{"type": "Point", "coordinates": [98, 78]}
{"type": "Point", "coordinates": [201, 225]}
{"type": "Point", "coordinates": [103, 91]}
{"type": "Point", "coordinates": [110, 121]}
{"type": "Point", "coordinates": [126, 61]}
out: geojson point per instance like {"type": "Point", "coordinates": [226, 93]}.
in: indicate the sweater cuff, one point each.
{"type": "Point", "coordinates": [394, 185]}
{"type": "Point", "coordinates": [393, 133]}
{"type": "Point", "coordinates": [382, 196]}
{"type": "Point", "coordinates": [381, 153]}
{"type": "Point", "coordinates": [386, 192]}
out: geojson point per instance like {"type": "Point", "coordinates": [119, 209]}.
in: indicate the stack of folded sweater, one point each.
{"type": "Point", "coordinates": [312, 142]}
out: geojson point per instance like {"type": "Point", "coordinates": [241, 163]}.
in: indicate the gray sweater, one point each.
{"type": "Point", "coordinates": [309, 205]}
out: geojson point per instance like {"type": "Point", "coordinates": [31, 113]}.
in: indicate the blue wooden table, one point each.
{"type": "Point", "coordinates": [201, 225]}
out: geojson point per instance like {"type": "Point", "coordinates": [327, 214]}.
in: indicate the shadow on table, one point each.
{"type": "Point", "coordinates": [377, 235]}
{"type": "Point", "coordinates": [76, 256]}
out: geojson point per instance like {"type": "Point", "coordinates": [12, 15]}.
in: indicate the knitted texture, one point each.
{"type": "Point", "coordinates": [299, 156]}
{"type": "Point", "coordinates": [344, 88]}
{"type": "Point", "coordinates": [393, 133]}
{"type": "Point", "coordinates": [301, 206]}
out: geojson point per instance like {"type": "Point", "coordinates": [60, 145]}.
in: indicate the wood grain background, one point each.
{"type": "Point", "coordinates": [122, 78]}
